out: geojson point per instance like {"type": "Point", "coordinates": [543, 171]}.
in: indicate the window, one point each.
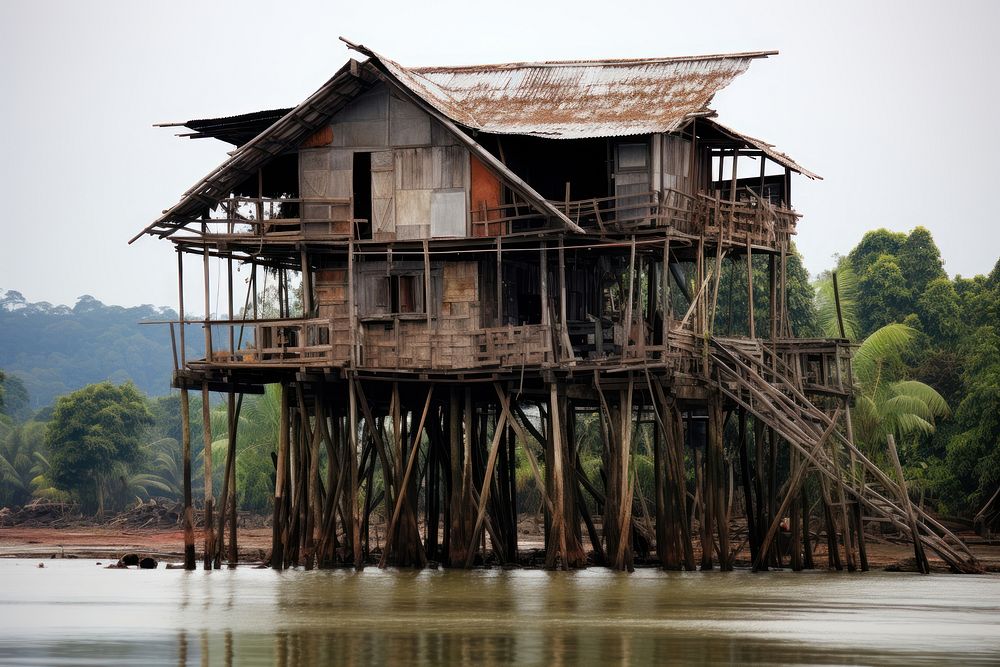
{"type": "Point", "coordinates": [402, 294]}
{"type": "Point", "coordinates": [632, 156]}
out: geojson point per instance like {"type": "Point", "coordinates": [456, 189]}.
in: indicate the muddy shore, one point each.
{"type": "Point", "coordinates": [96, 542]}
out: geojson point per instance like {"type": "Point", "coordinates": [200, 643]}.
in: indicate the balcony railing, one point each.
{"type": "Point", "coordinates": [749, 219]}
{"type": "Point", "coordinates": [277, 219]}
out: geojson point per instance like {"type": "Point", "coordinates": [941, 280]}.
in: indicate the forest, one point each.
{"type": "Point", "coordinates": [106, 434]}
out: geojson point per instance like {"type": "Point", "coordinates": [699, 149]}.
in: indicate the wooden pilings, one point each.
{"type": "Point", "coordinates": [404, 474]}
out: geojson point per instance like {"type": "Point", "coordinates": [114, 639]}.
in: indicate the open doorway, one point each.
{"type": "Point", "coordinates": [361, 192]}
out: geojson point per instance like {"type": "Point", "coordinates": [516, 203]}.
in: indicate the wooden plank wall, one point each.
{"type": "Point", "coordinates": [420, 172]}
{"type": "Point", "coordinates": [332, 302]}
{"type": "Point", "coordinates": [675, 164]}
{"type": "Point", "coordinates": [407, 343]}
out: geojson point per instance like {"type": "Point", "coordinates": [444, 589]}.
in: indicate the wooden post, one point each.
{"type": "Point", "coordinates": [206, 434]}
{"type": "Point", "coordinates": [189, 561]}
{"type": "Point", "coordinates": [352, 459]}
{"type": "Point", "coordinates": [753, 327]}
{"type": "Point", "coordinates": [667, 303]}
{"type": "Point", "coordinates": [627, 320]}
{"type": "Point", "coordinates": [499, 281]}
{"type": "Point", "coordinates": [307, 304]}
{"type": "Point", "coordinates": [918, 548]}
{"type": "Point", "coordinates": [208, 302]}
{"type": "Point", "coordinates": [231, 470]}
{"type": "Point", "coordinates": [564, 341]}
{"type": "Point", "coordinates": [556, 467]}
{"type": "Point", "coordinates": [748, 500]}
{"type": "Point", "coordinates": [277, 545]}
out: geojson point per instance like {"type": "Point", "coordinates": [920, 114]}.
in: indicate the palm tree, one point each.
{"type": "Point", "coordinates": [846, 282]}
{"type": "Point", "coordinates": [16, 465]}
{"type": "Point", "coordinates": [887, 402]}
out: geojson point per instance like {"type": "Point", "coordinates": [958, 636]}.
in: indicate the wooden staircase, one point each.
{"type": "Point", "coordinates": [765, 388]}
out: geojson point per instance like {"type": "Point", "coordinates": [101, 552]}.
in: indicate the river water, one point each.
{"type": "Point", "coordinates": [75, 612]}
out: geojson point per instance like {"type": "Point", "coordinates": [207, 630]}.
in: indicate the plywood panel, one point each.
{"type": "Point", "coordinates": [413, 209]}
{"type": "Point", "coordinates": [314, 159]}
{"type": "Point", "coordinates": [383, 197]}
{"type": "Point", "coordinates": [448, 213]}
{"type": "Point", "coordinates": [315, 184]}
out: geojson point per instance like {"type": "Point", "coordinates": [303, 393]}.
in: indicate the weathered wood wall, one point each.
{"type": "Point", "coordinates": [420, 172]}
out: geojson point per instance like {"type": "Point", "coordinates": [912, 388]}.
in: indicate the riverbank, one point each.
{"type": "Point", "coordinates": [101, 542]}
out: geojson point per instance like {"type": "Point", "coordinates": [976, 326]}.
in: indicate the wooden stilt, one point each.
{"type": "Point", "coordinates": [206, 432]}
{"type": "Point", "coordinates": [277, 543]}
{"type": "Point", "coordinates": [189, 559]}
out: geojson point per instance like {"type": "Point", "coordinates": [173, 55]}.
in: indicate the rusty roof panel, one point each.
{"type": "Point", "coordinates": [576, 99]}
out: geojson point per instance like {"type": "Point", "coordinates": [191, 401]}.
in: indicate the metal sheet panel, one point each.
{"type": "Point", "coordinates": [448, 217]}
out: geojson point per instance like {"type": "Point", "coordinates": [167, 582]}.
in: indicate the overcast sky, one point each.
{"type": "Point", "coordinates": [895, 104]}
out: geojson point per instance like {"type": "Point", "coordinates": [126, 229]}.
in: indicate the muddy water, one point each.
{"type": "Point", "coordinates": [74, 612]}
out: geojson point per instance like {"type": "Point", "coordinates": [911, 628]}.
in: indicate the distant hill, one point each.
{"type": "Point", "coordinates": [58, 349]}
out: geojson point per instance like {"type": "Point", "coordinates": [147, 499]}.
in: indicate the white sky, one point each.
{"type": "Point", "coordinates": [894, 103]}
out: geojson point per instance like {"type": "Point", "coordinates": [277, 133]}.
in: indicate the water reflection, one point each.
{"type": "Point", "coordinates": [70, 613]}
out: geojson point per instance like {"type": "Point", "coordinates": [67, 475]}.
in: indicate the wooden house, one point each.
{"type": "Point", "coordinates": [467, 260]}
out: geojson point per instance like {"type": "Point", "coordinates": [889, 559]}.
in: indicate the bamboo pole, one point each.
{"type": "Point", "coordinates": [277, 544]}
{"type": "Point", "coordinates": [189, 560]}
{"type": "Point", "coordinates": [918, 548]}
{"type": "Point", "coordinates": [206, 433]}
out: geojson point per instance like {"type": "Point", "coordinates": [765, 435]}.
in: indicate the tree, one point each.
{"type": "Point", "coordinates": [886, 400]}
{"type": "Point", "coordinates": [920, 260]}
{"type": "Point", "coordinates": [883, 296]}
{"type": "Point", "coordinates": [18, 463]}
{"type": "Point", "coordinates": [973, 453]}
{"type": "Point", "coordinates": [873, 245]}
{"type": "Point", "coordinates": [95, 434]}
{"type": "Point", "coordinates": [939, 311]}
{"type": "Point", "coordinates": [14, 400]}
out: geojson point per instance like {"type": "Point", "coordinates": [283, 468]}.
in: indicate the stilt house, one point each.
{"type": "Point", "coordinates": [453, 271]}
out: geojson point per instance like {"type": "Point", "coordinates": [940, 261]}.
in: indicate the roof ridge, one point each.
{"type": "Point", "coordinates": [601, 62]}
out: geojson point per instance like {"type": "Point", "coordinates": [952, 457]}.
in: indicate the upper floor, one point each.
{"type": "Point", "coordinates": [384, 154]}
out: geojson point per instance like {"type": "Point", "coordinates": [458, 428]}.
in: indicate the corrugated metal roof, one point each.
{"type": "Point", "coordinates": [575, 99]}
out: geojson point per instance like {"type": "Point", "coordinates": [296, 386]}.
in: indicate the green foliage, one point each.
{"type": "Point", "coordinates": [21, 447]}
{"type": "Point", "coordinates": [732, 314]}
{"type": "Point", "coordinates": [826, 301]}
{"type": "Point", "coordinates": [920, 260]}
{"type": "Point", "coordinates": [95, 436]}
{"type": "Point", "coordinates": [14, 400]}
{"type": "Point", "coordinates": [939, 311]}
{"type": "Point", "coordinates": [873, 245]}
{"type": "Point", "coordinates": [54, 350]}
{"type": "Point", "coordinates": [883, 296]}
{"type": "Point", "coordinates": [931, 341]}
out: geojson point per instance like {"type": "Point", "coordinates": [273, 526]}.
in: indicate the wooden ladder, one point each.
{"type": "Point", "coordinates": [775, 399]}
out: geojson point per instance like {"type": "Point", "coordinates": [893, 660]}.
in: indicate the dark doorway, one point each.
{"type": "Point", "coordinates": [362, 193]}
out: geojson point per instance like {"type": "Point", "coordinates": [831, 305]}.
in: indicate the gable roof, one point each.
{"type": "Point", "coordinates": [562, 100]}
{"type": "Point", "coordinates": [575, 99]}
